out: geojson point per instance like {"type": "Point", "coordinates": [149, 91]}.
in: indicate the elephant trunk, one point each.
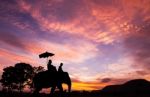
{"type": "Point", "coordinates": [67, 80]}
{"type": "Point", "coordinates": [69, 86]}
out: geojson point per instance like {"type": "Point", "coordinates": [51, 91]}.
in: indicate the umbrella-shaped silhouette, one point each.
{"type": "Point", "coordinates": [46, 55]}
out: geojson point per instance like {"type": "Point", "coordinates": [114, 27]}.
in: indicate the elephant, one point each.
{"type": "Point", "coordinates": [48, 79]}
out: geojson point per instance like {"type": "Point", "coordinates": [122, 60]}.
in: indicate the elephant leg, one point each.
{"type": "Point", "coordinates": [36, 91]}
{"type": "Point", "coordinates": [61, 90]}
{"type": "Point", "coordinates": [52, 90]}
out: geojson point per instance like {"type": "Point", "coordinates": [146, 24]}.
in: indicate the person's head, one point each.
{"type": "Point", "coordinates": [50, 62]}
{"type": "Point", "coordinates": [61, 64]}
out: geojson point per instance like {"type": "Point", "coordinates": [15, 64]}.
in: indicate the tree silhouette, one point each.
{"type": "Point", "coordinates": [8, 77]}
{"type": "Point", "coordinates": [38, 69]}
{"type": "Point", "coordinates": [24, 74]}
{"type": "Point", "coordinates": [17, 76]}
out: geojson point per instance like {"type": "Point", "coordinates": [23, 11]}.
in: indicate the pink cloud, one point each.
{"type": "Point", "coordinates": [88, 26]}
{"type": "Point", "coordinates": [65, 52]}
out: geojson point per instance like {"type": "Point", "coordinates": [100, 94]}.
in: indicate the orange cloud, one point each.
{"type": "Point", "coordinates": [87, 86]}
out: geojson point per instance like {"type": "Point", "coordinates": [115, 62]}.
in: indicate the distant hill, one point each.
{"type": "Point", "coordinates": [132, 87]}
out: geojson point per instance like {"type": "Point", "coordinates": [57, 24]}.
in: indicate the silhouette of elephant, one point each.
{"type": "Point", "coordinates": [48, 79]}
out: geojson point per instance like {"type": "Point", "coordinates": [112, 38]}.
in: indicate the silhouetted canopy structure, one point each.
{"type": "Point", "coordinates": [17, 77]}
{"type": "Point", "coordinates": [46, 55]}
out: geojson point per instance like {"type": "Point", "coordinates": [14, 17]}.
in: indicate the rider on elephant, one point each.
{"type": "Point", "coordinates": [60, 68]}
{"type": "Point", "coordinates": [51, 68]}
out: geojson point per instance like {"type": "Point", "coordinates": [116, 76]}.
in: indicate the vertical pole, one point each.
{"type": "Point", "coordinates": [47, 60]}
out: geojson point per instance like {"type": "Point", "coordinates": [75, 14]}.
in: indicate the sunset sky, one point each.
{"type": "Point", "coordinates": [100, 42]}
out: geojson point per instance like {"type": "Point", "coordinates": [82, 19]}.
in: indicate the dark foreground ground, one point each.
{"type": "Point", "coordinates": [73, 94]}
{"type": "Point", "coordinates": [132, 88]}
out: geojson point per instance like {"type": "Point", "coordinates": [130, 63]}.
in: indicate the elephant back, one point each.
{"type": "Point", "coordinates": [45, 79]}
